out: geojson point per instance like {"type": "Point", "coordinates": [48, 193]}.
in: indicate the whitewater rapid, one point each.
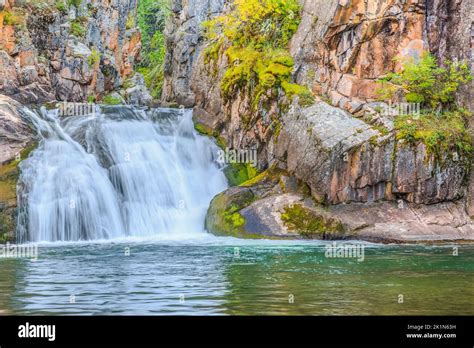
{"type": "Point", "coordinates": [119, 172]}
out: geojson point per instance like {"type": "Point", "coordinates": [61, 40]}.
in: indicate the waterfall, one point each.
{"type": "Point", "coordinates": [117, 172]}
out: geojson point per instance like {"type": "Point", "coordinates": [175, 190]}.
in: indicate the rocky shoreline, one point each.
{"type": "Point", "coordinates": [277, 206]}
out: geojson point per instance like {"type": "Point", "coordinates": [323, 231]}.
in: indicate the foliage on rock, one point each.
{"type": "Point", "coordinates": [309, 224]}
{"type": "Point", "coordinates": [152, 15]}
{"type": "Point", "coordinates": [94, 58]}
{"type": "Point", "coordinates": [442, 125]}
{"type": "Point", "coordinates": [425, 82]}
{"type": "Point", "coordinates": [8, 178]}
{"type": "Point", "coordinates": [78, 27]}
{"type": "Point", "coordinates": [224, 216]}
{"type": "Point", "coordinates": [254, 36]}
{"type": "Point", "coordinates": [443, 133]}
{"type": "Point", "coordinates": [111, 100]}
{"type": "Point", "coordinates": [239, 173]}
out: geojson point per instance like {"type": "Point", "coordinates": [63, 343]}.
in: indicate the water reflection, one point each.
{"type": "Point", "coordinates": [159, 279]}
{"type": "Point", "coordinates": [301, 281]}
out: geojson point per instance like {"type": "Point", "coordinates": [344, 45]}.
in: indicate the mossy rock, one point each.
{"type": "Point", "coordinates": [236, 173]}
{"type": "Point", "coordinates": [7, 224]}
{"type": "Point", "coordinates": [253, 210]}
{"type": "Point", "coordinates": [311, 224]}
{"type": "Point", "coordinates": [208, 131]}
{"type": "Point", "coordinates": [9, 174]}
{"type": "Point", "coordinates": [442, 134]}
{"type": "Point", "coordinates": [239, 173]}
{"type": "Point", "coordinates": [223, 217]}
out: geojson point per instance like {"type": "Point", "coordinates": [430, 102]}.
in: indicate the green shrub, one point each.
{"type": "Point", "coordinates": [61, 6]}
{"type": "Point", "coordinates": [78, 28]}
{"type": "Point", "coordinates": [130, 22]}
{"type": "Point", "coordinates": [151, 18]}
{"type": "Point", "coordinates": [12, 18]}
{"type": "Point", "coordinates": [441, 133]}
{"type": "Point", "coordinates": [94, 58]}
{"type": "Point", "coordinates": [154, 71]}
{"type": "Point", "coordinates": [426, 83]}
{"type": "Point", "coordinates": [75, 3]}
{"type": "Point", "coordinates": [442, 125]}
{"type": "Point", "coordinates": [255, 35]}
{"type": "Point", "coordinates": [111, 100]}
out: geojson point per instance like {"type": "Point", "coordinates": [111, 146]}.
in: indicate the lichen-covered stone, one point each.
{"type": "Point", "coordinates": [332, 152]}
{"type": "Point", "coordinates": [282, 215]}
{"type": "Point", "coordinates": [264, 208]}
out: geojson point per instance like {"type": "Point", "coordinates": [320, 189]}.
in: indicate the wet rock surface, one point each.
{"type": "Point", "coordinates": [15, 133]}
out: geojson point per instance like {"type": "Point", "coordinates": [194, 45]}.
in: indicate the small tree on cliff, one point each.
{"type": "Point", "coordinates": [442, 125]}
{"type": "Point", "coordinates": [425, 82]}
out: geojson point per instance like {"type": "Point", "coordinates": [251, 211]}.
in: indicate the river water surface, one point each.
{"type": "Point", "coordinates": [220, 276]}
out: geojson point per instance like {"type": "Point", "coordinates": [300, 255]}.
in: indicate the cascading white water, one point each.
{"type": "Point", "coordinates": [120, 172]}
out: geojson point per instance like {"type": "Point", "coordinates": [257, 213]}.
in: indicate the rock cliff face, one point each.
{"type": "Point", "coordinates": [54, 50]}
{"type": "Point", "coordinates": [184, 43]}
{"type": "Point", "coordinates": [343, 160]}
{"type": "Point", "coordinates": [340, 49]}
{"type": "Point", "coordinates": [16, 140]}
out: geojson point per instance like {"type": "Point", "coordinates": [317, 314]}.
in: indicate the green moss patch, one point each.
{"type": "Point", "coordinates": [203, 129]}
{"type": "Point", "coordinates": [94, 58]}
{"type": "Point", "coordinates": [8, 179]}
{"type": "Point", "coordinates": [444, 133]}
{"type": "Point", "coordinates": [310, 224]}
{"type": "Point", "coordinates": [224, 218]}
{"type": "Point", "coordinates": [271, 174]}
{"type": "Point", "coordinates": [239, 173]}
{"type": "Point", "coordinates": [236, 173]}
{"type": "Point", "coordinates": [78, 27]}
{"type": "Point", "coordinates": [254, 35]}
{"type": "Point", "coordinates": [12, 18]}
{"type": "Point", "coordinates": [111, 100]}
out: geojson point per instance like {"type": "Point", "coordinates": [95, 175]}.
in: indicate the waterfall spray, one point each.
{"type": "Point", "coordinates": [120, 172]}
